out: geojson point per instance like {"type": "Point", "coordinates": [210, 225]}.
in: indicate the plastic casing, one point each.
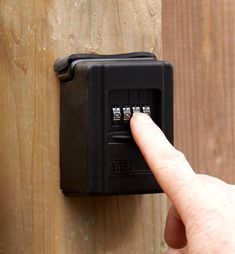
{"type": "Point", "coordinates": [97, 157]}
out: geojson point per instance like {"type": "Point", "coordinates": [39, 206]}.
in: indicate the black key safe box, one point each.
{"type": "Point", "coordinates": [98, 95]}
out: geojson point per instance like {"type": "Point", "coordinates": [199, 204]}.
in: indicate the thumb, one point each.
{"type": "Point", "coordinates": [169, 166]}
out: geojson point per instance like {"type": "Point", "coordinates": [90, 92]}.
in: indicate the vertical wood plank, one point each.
{"type": "Point", "coordinates": [35, 216]}
{"type": "Point", "coordinates": [198, 38]}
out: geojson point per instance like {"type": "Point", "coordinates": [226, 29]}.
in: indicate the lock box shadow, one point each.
{"type": "Point", "coordinates": [105, 224]}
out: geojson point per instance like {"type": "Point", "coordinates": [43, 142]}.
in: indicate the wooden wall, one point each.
{"type": "Point", "coordinates": [198, 37]}
{"type": "Point", "coordinates": [35, 216]}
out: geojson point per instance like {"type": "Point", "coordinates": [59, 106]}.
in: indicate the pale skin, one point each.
{"type": "Point", "coordinates": [201, 219]}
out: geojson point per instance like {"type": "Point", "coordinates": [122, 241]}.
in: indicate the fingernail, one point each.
{"type": "Point", "coordinates": [142, 118]}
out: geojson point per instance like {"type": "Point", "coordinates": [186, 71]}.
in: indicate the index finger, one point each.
{"type": "Point", "coordinates": [170, 167]}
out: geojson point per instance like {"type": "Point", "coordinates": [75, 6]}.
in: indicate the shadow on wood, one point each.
{"type": "Point", "coordinates": [103, 219]}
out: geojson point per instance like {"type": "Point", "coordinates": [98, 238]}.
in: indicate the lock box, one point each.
{"type": "Point", "coordinates": [99, 94]}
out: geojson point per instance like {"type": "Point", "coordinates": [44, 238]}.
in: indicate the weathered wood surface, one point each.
{"type": "Point", "coordinates": [35, 217]}
{"type": "Point", "coordinates": [199, 39]}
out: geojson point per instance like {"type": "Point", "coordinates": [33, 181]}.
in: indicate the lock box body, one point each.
{"type": "Point", "coordinates": [99, 94]}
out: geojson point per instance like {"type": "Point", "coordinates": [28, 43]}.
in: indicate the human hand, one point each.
{"type": "Point", "coordinates": [202, 217]}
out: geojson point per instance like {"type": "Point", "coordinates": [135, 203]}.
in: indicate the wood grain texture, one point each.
{"type": "Point", "coordinates": [198, 38]}
{"type": "Point", "coordinates": [35, 217]}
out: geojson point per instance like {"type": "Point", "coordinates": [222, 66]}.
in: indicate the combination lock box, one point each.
{"type": "Point", "coordinates": [99, 94]}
